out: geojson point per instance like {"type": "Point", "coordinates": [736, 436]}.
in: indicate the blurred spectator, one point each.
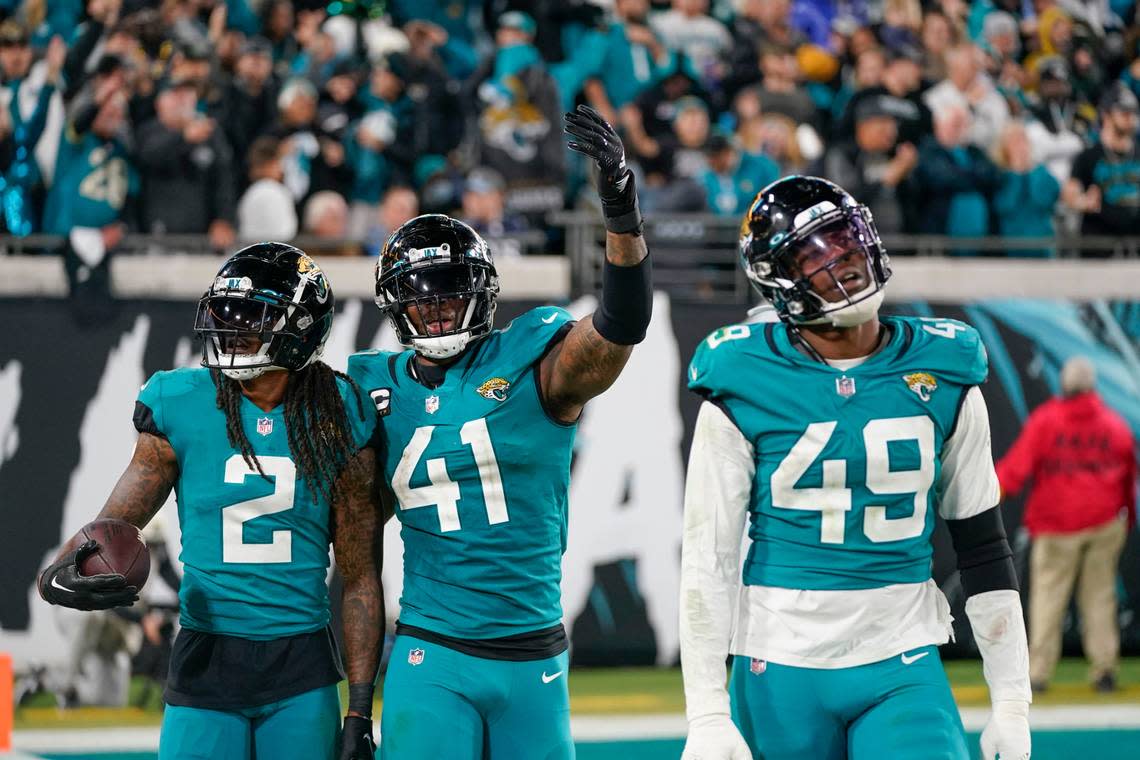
{"type": "Point", "coordinates": [187, 169]}
{"type": "Point", "coordinates": [446, 26]}
{"type": "Point", "coordinates": [484, 205]}
{"type": "Point", "coordinates": [277, 23]}
{"type": "Point", "coordinates": [1000, 37]}
{"type": "Point", "coordinates": [900, 90]}
{"type": "Point", "coordinates": [338, 104]}
{"type": "Point", "coordinates": [326, 226]}
{"type": "Point", "coordinates": [267, 210]}
{"type": "Point", "coordinates": [1105, 184]}
{"type": "Point", "coordinates": [938, 36]}
{"type": "Point", "coordinates": [967, 86]}
{"type": "Point", "coordinates": [688, 29]}
{"type": "Point", "coordinates": [874, 167]}
{"type": "Point", "coordinates": [679, 153]}
{"type": "Point", "coordinates": [634, 60]}
{"type": "Point", "coordinates": [26, 100]}
{"type": "Point", "coordinates": [364, 148]}
{"type": "Point", "coordinates": [1053, 130]}
{"type": "Point", "coordinates": [249, 101]}
{"type": "Point", "coordinates": [1081, 457]}
{"type": "Point", "coordinates": [953, 178]}
{"type": "Point", "coordinates": [777, 141]}
{"type": "Point", "coordinates": [1027, 192]}
{"type": "Point", "coordinates": [780, 91]}
{"type": "Point", "coordinates": [902, 24]}
{"type": "Point", "coordinates": [399, 205]}
{"type": "Point", "coordinates": [867, 74]}
{"type": "Point", "coordinates": [94, 177]}
{"type": "Point", "coordinates": [732, 179]}
{"type": "Point", "coordinates": [313, 158]}
{"type": "Point", "coordinates": [518, 108]}
{"type": "Point", "coordinates": [433, 122]}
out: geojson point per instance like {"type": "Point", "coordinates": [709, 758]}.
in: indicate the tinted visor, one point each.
{"type": "Point", "coordinates": [230, 314]}
{"type": "Point", "coordinates": [439, 281]}
{"type": "Point", "coordinates": [840, 241]}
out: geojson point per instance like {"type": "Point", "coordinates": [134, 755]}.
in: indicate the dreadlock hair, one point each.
{"type": "Point", "coordinates": [316, 424]}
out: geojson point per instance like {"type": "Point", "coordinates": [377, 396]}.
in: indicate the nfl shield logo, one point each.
{"type": "Point", "coordinates": [845, 386]}
{"type": "Point", "coordinates": [416, 656]}
{"type": "Point", "coordinates": [431, 404]}
{"type": "Point", "coordinates": [264, 425]}
{"type": "Point", "coordinates": [758, 666]}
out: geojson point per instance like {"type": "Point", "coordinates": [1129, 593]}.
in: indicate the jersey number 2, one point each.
{"type": "Point", "coordinates": [443, 492]}
{"type": "Point", "coordinates": [235, 516]}
{"type": "Point", "coordinates": [833, 499]}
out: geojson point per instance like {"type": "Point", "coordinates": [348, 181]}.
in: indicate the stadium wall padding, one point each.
{"type": "Point", "coordinates": [68, 385]}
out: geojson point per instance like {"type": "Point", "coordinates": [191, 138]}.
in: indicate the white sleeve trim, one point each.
{"type": "Point", "coordinates": [969, 482]}
{"type": "Point", "coordinates": [718, 490]}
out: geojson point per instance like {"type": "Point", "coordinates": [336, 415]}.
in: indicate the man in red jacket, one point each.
{"type": "Point", "coordinates": [1081, 457]}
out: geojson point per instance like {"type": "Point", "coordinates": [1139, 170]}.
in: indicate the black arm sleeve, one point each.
{"type": "Point", "coordinates": [984, 557]}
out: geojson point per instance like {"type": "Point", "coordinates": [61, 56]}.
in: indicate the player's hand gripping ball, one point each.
{"type": "Point", "coordinates": [715, 737]}
{"type": "Point", "coordinates": [103, 566]}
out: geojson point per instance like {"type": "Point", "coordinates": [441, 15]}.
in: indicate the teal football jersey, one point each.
{"type": "Point", "coordinates": [255, 552]}
{"type": "Point", "coordinates": [480, 473]}
{"type": "Point", "coordinates": [847, 461]}
{"type": "Point", "coordinates": [93, 178]}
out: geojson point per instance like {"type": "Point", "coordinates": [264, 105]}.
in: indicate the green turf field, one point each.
{"type": "Point", "coordinates": [638, 691]}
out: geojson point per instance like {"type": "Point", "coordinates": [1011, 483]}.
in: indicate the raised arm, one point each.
{"type": "Point", "coordinates": [141, 491]}
{"type": "Point", "coordinates": [358, 545]}
{"type": "Point", "coordinates": [596, 349]}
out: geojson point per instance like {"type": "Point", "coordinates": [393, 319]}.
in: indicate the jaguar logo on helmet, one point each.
{"type": "Point", "coordinates": [494, 389]}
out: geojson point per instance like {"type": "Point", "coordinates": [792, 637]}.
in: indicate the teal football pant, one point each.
{"type": "Point", "coordinates": [440, 703]}
{"type": "Point", "coordinates": [900, 708]}
{"type": "Point", "coordinates": [304, 725]}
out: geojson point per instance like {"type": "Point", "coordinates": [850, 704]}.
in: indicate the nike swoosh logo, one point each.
{"type": "Point", "coordinates": [548, 679]}
{"type": "Point", "coordinates": [550, 319]}
{"type": "Point", "coordinates": [908, 660]}
{"type": "Point", "coordinates": [55, 584]}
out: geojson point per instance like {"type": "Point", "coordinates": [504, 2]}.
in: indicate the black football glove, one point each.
{"type": "Point", "coordinates": [62, 584]}
{"type": "Point", "coordinates": [356, 739]}
{"type": "Point", "coordinates": [592, 136]}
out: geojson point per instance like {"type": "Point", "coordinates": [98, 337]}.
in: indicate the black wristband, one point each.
{"type": "Point", "coordinates": [360, 699]}
{"type": "Point", "coordinates": [627, 302]}
{"type": "Point", "coordinates": [985, 560]}
{"type": "Point", "coordinates": [620, 210]}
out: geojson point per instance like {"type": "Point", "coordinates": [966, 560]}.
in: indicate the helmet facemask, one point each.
{"type": "Point", "coordinates": [438, 307]}
{"type": "Point", "coordinates": [831, 272]}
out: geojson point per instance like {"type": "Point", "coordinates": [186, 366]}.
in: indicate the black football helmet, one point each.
{"type": "Point", "coordinates": [798, 228]}
{"type": "Point", "coordinates": [270, 307]}
{"type": "Point", "coordinates": [429, 262]}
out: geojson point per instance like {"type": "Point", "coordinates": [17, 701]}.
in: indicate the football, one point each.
{"type": "Point", "coordinates": [121, 550]}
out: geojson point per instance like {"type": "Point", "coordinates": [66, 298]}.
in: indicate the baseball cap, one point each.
{"type": "Point", "coordinates": [256, 46]}
{"type": "Point", "coordinates": [1119, 98]}
{"type": "Point", "coordinates": [484, 180]}
{"type": "Point", "coordinates": [12, 33]}
{"type": "Point", "coordinates": [518, 20]}
{"type": "Point", "coordinates": [872, 107]}
{"type": "Point", "coordinates": [1053, 67]}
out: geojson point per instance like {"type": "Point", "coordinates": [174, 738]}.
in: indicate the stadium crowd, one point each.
{"type": "Point", "coordinates": [254, 119]}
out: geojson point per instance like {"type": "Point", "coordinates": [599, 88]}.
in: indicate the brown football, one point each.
{"type": "Point", "coordinates": [121, 550]}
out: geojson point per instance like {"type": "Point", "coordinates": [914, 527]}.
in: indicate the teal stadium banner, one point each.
{"type": "Point", "coordinates": [68, 385]}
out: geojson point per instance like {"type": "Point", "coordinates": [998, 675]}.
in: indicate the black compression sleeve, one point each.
{"type": "Point", "coordinates": [985, 560]}
{"type": "Point", "coordinates": [627, 302]}
{"type": "Point", "coordinates": [360, 699]}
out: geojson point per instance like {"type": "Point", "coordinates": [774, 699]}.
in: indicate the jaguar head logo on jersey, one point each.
{"type": "Point", "coordinates": [436, 282]}
{"type": "Point", "coordinates": [415, 656]}
{"type": "Point", "coordinates": [922, 383]}
{"type": "Point", "coordinates": [264, 425]}
{"type": "Point", "coordinates": [813, 252]}
{"type": "Point", "coordinates": [494, 389]}
{"type": "Point", "coordinates": [270, 307]}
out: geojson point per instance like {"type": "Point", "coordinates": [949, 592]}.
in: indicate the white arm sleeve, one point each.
{"type": "Point", "coordinates": [718, 488]}
{"type": "Point", "coordinates": [969, 482]}
{"type": "Point", "coordinates": [999, 630]}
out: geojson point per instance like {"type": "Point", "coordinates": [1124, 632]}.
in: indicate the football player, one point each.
{"type": "Point", "coordinates": [837, 433]}
{"type": "Point", "coordinates": [479, 427]}
{"type": "Point", "coordinates": [270, 454]}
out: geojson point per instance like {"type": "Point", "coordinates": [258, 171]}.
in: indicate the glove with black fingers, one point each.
{"type": "Point", "coordinates": [61, 583]}
{"type": "Point", "coordinates": [356, 739]}
{"type": "Point", "coordinates": [590, 135]}
{"type": "Point", "coordinates": [715, 737]}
